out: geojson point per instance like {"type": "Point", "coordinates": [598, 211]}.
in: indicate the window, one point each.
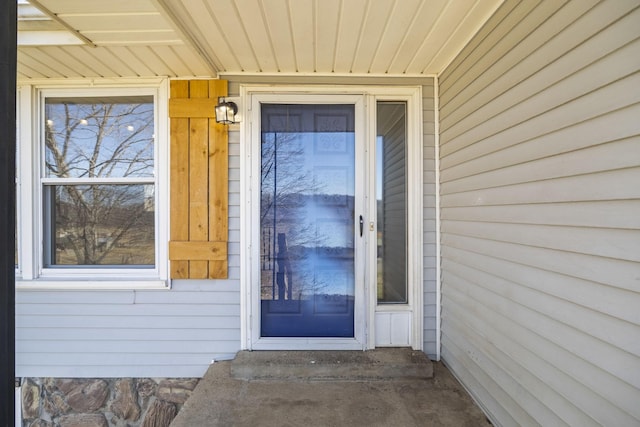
{"type": "Point", "coordinates": [96, 213]}
{"type": "Point", "coordinates": [97, 184]}
{"type": "Point", "coordinates": [391, 201]}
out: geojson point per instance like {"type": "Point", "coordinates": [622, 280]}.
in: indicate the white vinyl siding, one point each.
{"type": "Point", "coordinates": [173, 333]}
{"type": "Point", "coordinates": [135, 333]}
{"type": "Point", "coordinates": [540, 196]}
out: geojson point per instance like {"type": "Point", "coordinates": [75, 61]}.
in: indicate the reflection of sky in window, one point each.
{"type": "Point", "coordinates": [379, 165]}
{"type": "Point", "coordinates": [100, 139]}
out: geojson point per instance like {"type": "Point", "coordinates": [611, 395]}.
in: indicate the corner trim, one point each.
{"type": "Point", "coordinates": [436, 112]}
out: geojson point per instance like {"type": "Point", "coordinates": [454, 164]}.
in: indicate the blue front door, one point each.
{"type": "Point", "coordinates": [307, 220]}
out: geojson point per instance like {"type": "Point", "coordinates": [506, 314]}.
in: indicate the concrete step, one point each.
{"type": "Point", "coordinates": [379, 364]}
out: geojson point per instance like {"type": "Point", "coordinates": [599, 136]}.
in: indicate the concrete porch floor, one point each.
{"type": "Point", "coordinates": [386, 387]}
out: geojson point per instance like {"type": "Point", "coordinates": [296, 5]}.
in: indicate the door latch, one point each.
{"type": "Point", "coordinates": [361, 225]}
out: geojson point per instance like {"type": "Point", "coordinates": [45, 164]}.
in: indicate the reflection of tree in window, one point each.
{"type": "Point", "coordinates": [285, 185]}
{"type": "Point", "coordinates": [306, 197]}
{"type": "Point", "coordinates": [99, 181]}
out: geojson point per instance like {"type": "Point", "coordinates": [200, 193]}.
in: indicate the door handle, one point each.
{"type": "Point", "coordinates": [361, 225]}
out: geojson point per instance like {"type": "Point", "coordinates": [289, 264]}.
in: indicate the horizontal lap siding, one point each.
{"type": "Point", "coordinates": [540, 196]}
{"type": "Point", "coordinates": [142, 333]}
{"type": "Point", "coordinates": [171, 333]}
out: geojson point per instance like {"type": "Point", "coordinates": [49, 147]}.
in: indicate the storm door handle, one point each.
{"type": "Point", "coordinates": [361, 225]}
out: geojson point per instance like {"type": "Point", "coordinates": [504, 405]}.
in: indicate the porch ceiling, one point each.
{"type": "Point", "coordinates": [186, 38]}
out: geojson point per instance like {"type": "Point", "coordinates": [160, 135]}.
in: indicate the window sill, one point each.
{"type": "Point", "coordinates": [90, 285]}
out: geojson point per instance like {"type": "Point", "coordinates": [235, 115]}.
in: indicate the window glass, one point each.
{"type": "Point", "coordinates": [108, 137]}
{"type": "Point", "coordinates": [99, 225]}
{"type": "Point", "coordinates": [307, 195]}
{"type": "Point", "coordinates": [391, 197]}
{"type": "Point", "coordinates": [98, 182]}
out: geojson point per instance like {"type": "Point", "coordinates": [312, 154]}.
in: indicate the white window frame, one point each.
{"type": "Point", "coordinates": [18, 270]}
{"type": "Point", "coordinates": [32, 273]}
{"type": "Point", "coordinates": [404, 317]}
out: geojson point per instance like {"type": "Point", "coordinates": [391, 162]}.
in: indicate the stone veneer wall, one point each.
{"type": "Point", "coordinates": [113, 402]}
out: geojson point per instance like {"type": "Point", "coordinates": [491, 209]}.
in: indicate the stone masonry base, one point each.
{"type": "Point", "coordinates": [103, 402]}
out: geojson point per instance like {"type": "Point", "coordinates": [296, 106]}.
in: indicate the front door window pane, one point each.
{"type": "Point", "coordinates": [307, 220]}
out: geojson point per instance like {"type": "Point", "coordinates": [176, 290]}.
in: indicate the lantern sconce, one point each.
{"type": "Point", "coordinates": [226, 111]}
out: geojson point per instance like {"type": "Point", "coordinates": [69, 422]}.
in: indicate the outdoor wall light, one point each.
{"type": "Point", "coordinates": [226, 111]}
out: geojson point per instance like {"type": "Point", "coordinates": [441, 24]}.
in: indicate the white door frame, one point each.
{"type": "Point", "coordinates": [373, 321]}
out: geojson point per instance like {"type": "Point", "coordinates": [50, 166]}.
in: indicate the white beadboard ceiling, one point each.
{"type": "Point", "coordinates": [186, 38]}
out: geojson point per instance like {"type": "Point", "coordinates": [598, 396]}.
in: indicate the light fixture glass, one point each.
{"type": "Point", "coordinates": [226, 111]}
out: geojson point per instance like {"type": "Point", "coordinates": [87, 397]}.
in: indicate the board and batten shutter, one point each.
{"type": "Point", "coordinates": [199, 181]}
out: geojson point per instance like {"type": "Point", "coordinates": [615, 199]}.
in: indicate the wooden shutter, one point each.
{"type": "Point", "coordinates": [199, 181]}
